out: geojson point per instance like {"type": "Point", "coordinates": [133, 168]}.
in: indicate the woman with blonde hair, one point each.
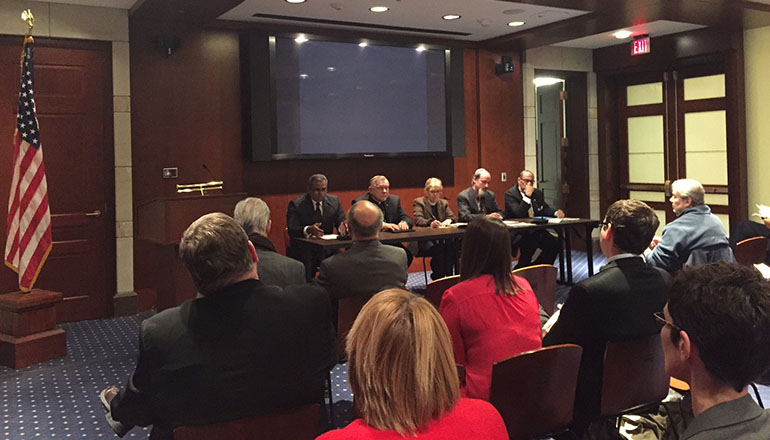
{"type": "Point", "coordinates": [403, 377]}
{"type": "Point", "coordinates": [432, 210]}
{"type": "Point", "coordinates": [491, 314]}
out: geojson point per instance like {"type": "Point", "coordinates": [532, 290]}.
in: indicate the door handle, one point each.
{"type": "Point", "coordinates": [96, 213]}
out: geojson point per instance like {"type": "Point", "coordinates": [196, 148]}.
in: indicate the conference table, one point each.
{"type": "Point", "coordinates": [562, 227]}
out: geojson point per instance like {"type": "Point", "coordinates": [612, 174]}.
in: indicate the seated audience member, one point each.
{"type": "Point", "coordinates": [394, 217]}
{"type": "Point", "coordinates": [477, 201]}
{"type": "Point", "coordinates": [716, 337]}
{"type": "Point", "coordinates": [695, 237]}
{"type": "Point", "coordinates": [241, 348]}
{"type": "Point", "coordinates": [312, 215]}
{"type": "Point", "coordinates": [491, 314]}
{"type": "Point", "coordinates": [432, 210]}
{"type": "Point", "coordinates": [520, 200]}
{"type": "Point", "coordinates": [368, 266]}
{"type": "Point", "coordinates": [404, 378]}
{"type": "Point", "coordinates": [749, 229]}
{"type": "Point", "coordinates": [275, 269]}
{"type": "Point", "coordinates": [615, 304]}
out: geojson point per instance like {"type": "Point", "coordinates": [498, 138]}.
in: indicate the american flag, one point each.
{"type": "Point", "coordinates": [29, 218]}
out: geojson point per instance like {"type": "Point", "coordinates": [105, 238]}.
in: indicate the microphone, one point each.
{"type": "Point", "coordinates": [209, 171]}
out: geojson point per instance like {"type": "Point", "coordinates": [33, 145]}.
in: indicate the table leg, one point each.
{"type": "Point", "coordinates": [568, 248]}
{"type": "Point", "coordinates": [560, 234]}
{"type": "Point", "coordinates": [590, 249]}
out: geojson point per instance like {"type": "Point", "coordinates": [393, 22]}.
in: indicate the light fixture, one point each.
{"type": "Point", "coordinates": [420, 48]}
{"type": "Point", "coordinates": [516, 23]}
{"type": "Point", "coordinates": [362, 44]}
{"type": "Point", "coordinates": [295, 1]}
{"type": "Point", "coordinates": [546, 81]}
{"type": "Point", "coordinates": [451, 17]}
{"type": "Point", "coordinates": [621, 35]}
{"type": "Point", "coordinates": [301, 39]}
{"type": "Point", "coordinates": [379, 8]}
{"type": "Point", "coordinates": [303, 75]}
{"type": "Point", "coordinates": [331, 69]}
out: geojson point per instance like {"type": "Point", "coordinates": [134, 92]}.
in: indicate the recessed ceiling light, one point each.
{"type": "Point", "coordinates": [516, 23]}
{"type": "Point", "coordinates": [295, 1]}
{"type": "Point", "coordinates": [420, 48]}
{"type": "Point", "coordinates": [303, 75]}
{"type": "Point", "coordinates": [451, 17]}
{"type": "Point", "coordinates": [379, 8]}
{"type": "Point", "coordinates": [300, 39]}
{"type": "Point", "coordinates": [620, 35]}
{"type": "Point", "coordinates": [362, 44]}
{"type": "Point", "coordinates": [331, 69]}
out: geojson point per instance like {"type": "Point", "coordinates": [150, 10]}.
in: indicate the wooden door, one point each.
{"type": "Point", "coordinates": [74, 109]}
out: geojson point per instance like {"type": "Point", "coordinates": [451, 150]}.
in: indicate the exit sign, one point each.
{"type": "Point", "coordinates": [640, 46]}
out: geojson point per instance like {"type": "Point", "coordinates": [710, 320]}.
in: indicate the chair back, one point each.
{"type": "Point", "coordinates": [634, 375]}
{"type": "Point", "coordinates": [347, 312]}
{"type": "Point", "coordinates": [296, 424]}
{"type": "Point", "coordinates": [435, 289]}
{"type": "Point", "coordinates": [751, 251]}
{"type": "Point", "coordinates": [535, 391]}
{"type": "Point", "coordinates": [542, 278]}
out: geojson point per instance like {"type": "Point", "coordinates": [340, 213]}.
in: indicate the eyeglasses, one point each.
{"type": "Point", "coordinates": [605, 224]}
{"type": "Point", "coordinates": [662, 321]}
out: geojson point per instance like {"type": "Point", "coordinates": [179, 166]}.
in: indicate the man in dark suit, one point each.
{"type": "Point", "coordinates": [394, 216]}
{"type": "Point", "coordinates": [241, 348]}
{"type": "Point", "coordinates": [313, 215]}
{"type": "Point", "coordinates": [368, 266]}
{"type": "Point", "coordinates": [275, 269]}
{"type": "Point", "coordinates": [519, 200]}
{"type": "Point", "coordinates": [615, 304]}
{"type": "Point", "coordinates": [477, 200]}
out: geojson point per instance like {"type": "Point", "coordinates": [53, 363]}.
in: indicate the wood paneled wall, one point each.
{"type": "Point", "coordinates": [186, 112]}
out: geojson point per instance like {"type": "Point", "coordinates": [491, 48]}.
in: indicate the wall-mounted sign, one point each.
{"type": "Point", "coordinates": [640, 46]}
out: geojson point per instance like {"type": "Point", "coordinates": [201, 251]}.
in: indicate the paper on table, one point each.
{"type": "Point", "coordinates": [329, 237]}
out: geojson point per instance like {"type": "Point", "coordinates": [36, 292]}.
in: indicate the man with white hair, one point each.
{"type": "Point", "coordinates": [477, 201]}
{"type": "Point", "coordinates": [275, 269]}
{"type": "Point", "coordinates": [695, 237]}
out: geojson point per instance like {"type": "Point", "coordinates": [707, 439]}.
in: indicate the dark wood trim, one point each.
{"type": "Point", "coordinates": [380, 27]}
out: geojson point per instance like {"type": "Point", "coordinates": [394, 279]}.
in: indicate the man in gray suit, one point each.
{"type": "Point", "coordinates": [368, 266]}
{"type": "Point", "coordinates": [275, 269]}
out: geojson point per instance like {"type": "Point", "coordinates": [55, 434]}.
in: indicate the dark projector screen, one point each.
{"type": "Point", "coordinates": [335, 98]}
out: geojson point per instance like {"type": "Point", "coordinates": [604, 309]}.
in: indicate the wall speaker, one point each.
{"type": "Point", "coordinates": [505, 66]}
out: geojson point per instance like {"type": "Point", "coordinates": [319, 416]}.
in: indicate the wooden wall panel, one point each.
{"type": "Point", "coordinates": [186, 111]}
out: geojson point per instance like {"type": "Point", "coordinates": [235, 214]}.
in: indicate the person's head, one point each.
{"type": "Point", "coordinates": [217, 252]}
{"type": "Point", "coordinates": [686, 193]}
{"type": "Point", "coordinates": [364, 220]}
{"type": "Point", "coordinates": [628, 226]}
{"type": "Point", "coordinates": [481, 179]}
{"type": "Point", "coordinates": [487, 251]}
{"type": "Point", "coordinates": [379, 188]}
{"type": "Point", "coordinates": [719, 317]}
{"type": "Point", "coordinates": [253, 215]}
{"type": "Point", "coordinates": [400, 362]}
{"type": "Point", "coordinates": [317, 186]}
{"type": "Point", "coordinates": [525, 177]}
{"type": "Point", "coordinates": [434, 189]}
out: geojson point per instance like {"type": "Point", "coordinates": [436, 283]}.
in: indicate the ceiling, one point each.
{"type": "Point", "coordinates": [586, 24]}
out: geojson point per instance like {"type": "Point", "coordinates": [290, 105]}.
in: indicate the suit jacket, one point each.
{"type": "Point", "coordinates": [739, 419]}
{"type": "Point", "coordinates": [615, 304]}
{"type": "Point", "coordinates": [364, 269]}
{"type": "Point", "coordinates": [391, 208]}
{"type": "Point", "coordinates": [301, 212]}
{"type": "Point", "coordinates": [423, 214]}
{"type": "Point", "coordinates": [515, 207]}
{"type": "Point", "coordinates": [468, 208]}
{"type": "Point", "coordinates": [247, 349]}
{"type": "Point", "coordinates": [275, 269]}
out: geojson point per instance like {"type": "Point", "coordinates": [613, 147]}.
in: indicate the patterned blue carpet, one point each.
{"type": "Point", "coordinates": [59, 398]}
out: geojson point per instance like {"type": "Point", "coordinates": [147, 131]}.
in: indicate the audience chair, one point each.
{"type": "Point", "coordinates": [751, 251]}
{"type": "Point", "coordinates": [347, 312]}
{"type": "Point", "coordinates": [296, 424]}
{"type": "Point", "coordinates": [535, 391]}
{"type": "Point", "coordinates": [542, 278]}
{"type": "Point", "coordinates": [435, 289]}
{"type": "Point", "coordinates": [634, 376]}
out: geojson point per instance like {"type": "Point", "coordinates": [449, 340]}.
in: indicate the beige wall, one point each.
{"type": "Point", "coordinates": [102, 24]}
{"type": "Point", "coordinates": [757, 72]}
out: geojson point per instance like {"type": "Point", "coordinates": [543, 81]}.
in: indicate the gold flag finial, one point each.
{"type": "Point", "coordinates": [26, 15]}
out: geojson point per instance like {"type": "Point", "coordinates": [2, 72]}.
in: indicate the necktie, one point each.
{"type": "Point", "coordinates": [482, 205]}
{"type": "Point", "coordinates": [317, 215]}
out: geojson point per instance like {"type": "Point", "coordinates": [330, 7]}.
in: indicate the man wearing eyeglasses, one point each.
{"type": "Point", "coordinates": [615, 304]}
{"type": "Point", "coordinates": [716, 337]}
{"type": "Point", "coordinates": [524, 200]}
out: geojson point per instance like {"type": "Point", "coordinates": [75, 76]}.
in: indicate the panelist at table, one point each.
{"type": "Point", "coordinates": [394, 216]}
{"type": "Point", "coordinates": [432, 210]}
{"type": "Point", "coordinates": [477, 201]}
{"type": "Point", "coordinates": [524, 200]}
{"type": "Point", "coordinates": [312, 215]}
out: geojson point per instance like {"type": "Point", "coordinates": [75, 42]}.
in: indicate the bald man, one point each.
{"type": "Point", "coordinates": [368, 266]}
